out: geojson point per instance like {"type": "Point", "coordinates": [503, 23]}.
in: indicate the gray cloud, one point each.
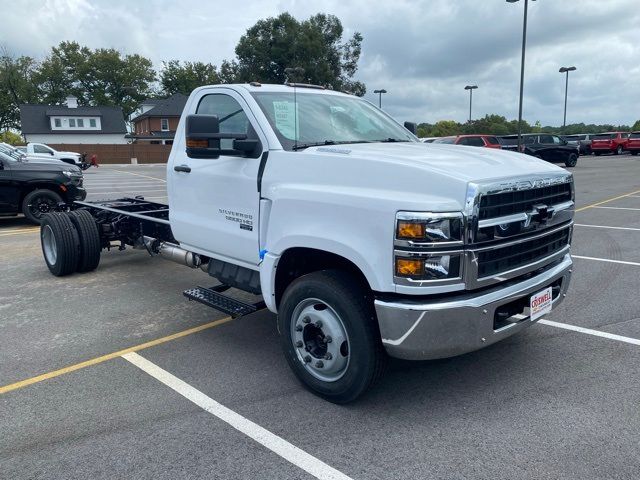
{"type": "Point", "coordinates": [422, 52]}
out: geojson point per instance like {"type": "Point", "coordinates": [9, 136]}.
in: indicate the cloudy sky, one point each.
{"type": "Point", "coordinates": [422, 52]}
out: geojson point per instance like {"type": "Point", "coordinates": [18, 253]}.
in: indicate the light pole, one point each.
{"type": "Point", "coordinates": [566, 89]}
{"type": "Point", "coordinates": [524, 43]}
{"type": "Point", "coordinates": [380, 92]}
{"type": "Point", "coordinates": [471, 88]}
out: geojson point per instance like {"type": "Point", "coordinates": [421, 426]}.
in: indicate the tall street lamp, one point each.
{"type": "Point", "coordinates": [524, 42]}
{"type": "Point", "coordinates": [566, 88]}
{"type": "Point", "coordinates": [471, 88]}
{"type": "Point", "coordinates": [380, 92]}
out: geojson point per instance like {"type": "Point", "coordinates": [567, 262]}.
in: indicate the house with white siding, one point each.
{"type": "Point", "coordinates": [70, 123]}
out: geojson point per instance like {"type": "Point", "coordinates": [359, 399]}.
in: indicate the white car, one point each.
{"type": "Point", "coordinates": [45, 151]}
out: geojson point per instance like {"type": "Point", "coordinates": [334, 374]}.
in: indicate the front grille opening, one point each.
{"type": "Point", "coordinates": [492, 262]}
{"type": "Point", "coordinates": [504, 314]}
{"type": "Point", "coordinates": [509, 203]}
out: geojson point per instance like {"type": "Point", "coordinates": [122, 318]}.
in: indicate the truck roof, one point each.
{"type": "Point", "coordinates": [276, 88]}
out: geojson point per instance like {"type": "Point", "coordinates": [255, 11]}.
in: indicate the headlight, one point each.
{"type": "Point", "coordinates": [427, 228]}
{"type": "Point", "coordinates": [429, 267]}
{"type": "Point", "coordinates": [72, 173]}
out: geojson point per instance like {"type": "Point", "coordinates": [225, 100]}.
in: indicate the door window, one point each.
{"type": "Point", "coordinates": [231, 116]}
{"type": "Point", "coordinates": [556, 140]}
{"type": "Point", "coordinates": [546, 139]}
{"type": "Point", "coordinates": [472, 141]}
{"type": "Point", "coordinates": [41, 149]}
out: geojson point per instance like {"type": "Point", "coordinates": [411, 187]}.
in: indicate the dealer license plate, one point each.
{"type": "Point", "coordinates": [540, 303]}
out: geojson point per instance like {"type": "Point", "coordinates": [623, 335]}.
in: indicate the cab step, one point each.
{"type": "Point", "coordinates": [223, 303]}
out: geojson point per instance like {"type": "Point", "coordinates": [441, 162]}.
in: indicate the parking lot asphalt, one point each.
{"type": "Point", "coordinates": [218, 400]}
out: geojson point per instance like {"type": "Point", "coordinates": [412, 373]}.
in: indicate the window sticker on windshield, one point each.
{"type": "Point", "coordinates": [286, 119]}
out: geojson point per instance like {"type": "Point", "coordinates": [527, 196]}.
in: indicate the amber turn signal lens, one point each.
{"type": "Point", "coordinates": [410, 229]}
{"type": "Point", "coordinates": [192, 143]}
{"type": "Point", "coordinates": [409, 268]}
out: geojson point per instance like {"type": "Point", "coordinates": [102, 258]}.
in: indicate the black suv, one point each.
{"type": "Point", "coordinates": [544, 145]}
{"type": "Point", "coordinates": [35, 188]}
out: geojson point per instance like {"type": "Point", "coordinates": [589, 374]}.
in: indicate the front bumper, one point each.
{"type": "Point", "coordinates": [75, 193]}
{"type": "Point", "coordinates": [446, 327]}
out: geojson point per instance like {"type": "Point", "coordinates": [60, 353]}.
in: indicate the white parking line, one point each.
{"type": "Point", "coordinates": [589, 331]}
{"type": "Point", "coordinates": [618, 208]}
{"type": "Point", "coordinates": [264, 437]}
{"type": "Point", "coordinates": [635, 196]}
{"type": "Point", "coordinates": [606, 226]}
{"type": "Point", "coordinates": [606, 260]}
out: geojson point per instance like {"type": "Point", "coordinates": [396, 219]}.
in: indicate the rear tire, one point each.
{"type": "Point", "coordinates": [572, 160]}
{"type": "Point", "coordinates": [38, 203]}
{"type": "Point", "coordinates": [330, 336]}
{"type": "Point", "coordinates": [89, 255]}
{"type": "Point", "coordinates": [60, 243]}
{"type": "Point", "coordinates": [635, 152]}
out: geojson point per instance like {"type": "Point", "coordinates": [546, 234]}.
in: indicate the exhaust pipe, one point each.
{"type": "Point", "coordinates": [170, 251]}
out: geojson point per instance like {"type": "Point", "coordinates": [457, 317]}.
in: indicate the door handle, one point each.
{"type": "Point", "coordinates": [182, 168]}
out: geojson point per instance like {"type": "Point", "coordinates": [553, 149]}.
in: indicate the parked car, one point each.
{"type": "Point", "coordinates": [45, 151]}
{"type": "Point", "coordinates": [488, 141]}
{"type": "Point", "coordinates": [633, 145]}
{"type": "Point", "coordinates": [429, 139]}
{"type": "Point", "coordinates": [582, 141]}
{"type": "Point", "coordinates": [609, 142]}
{"type": "Point", "coordinates": [548, 147]}
{"type": "Point", "coordinates": [509, 142]}
{"type": "Point", "coordinates": [20, 155]}
{"type": "Point", "coordinates": [35, 188]}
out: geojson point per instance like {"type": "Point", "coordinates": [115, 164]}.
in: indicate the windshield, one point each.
{"type": "Point", "coordinates": [327, 119]}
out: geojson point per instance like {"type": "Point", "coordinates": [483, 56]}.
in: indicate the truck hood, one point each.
{"type": "Point", "coordinates": [452, 161]}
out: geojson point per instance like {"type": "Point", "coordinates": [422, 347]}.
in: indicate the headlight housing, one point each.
{"type": "Point", "coordinates": [429, 267]}
{"type": "Point", "coordinates": [427, 228]}
{"type": "Point", "coordinates": [72, 173]}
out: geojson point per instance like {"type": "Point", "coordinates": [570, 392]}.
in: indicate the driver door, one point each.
{"type": "Point", "coordinates": [8, 193]}
{"type": "Point", "coordinates": [215, 204]}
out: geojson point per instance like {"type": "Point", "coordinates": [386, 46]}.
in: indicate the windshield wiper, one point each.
{"type": "Point", "coordinates": [391, 140]}
{"type": "Point", "coordinates": [300, 146]}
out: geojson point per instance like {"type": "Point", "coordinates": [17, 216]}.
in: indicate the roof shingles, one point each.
{"type": "Point", "coordinates": [35, 118]}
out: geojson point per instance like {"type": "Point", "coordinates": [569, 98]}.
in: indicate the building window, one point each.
{"type": "Point", "coordinates": [80, 123]}
{"type": "Point", "coordinates": [164, 124]}
{"type": "Point", "coordinates": [92, 122]}
{"type": "Point", "coordinates": [72, 122]}
{"type": "Point", "coordinates": [57, 122]}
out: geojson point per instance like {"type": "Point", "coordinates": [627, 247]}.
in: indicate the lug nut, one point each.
{"type": "Point", "coordinates": [306, 320]}
{"type": "Point", "coordinates": [319, 364]}
{"type": "Point", "coordinates": [319, 324]}
{"type": "Point", "coordinates": [328, 356]}
{"type": "Point", "coordinates": [299, 344]}
{"type": "Point", "coordinates": [298, 328]}
{"type": "Point", "coordinates": [307, 359]}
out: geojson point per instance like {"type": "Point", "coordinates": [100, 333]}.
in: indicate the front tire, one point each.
{"type": "Point", "coordinates": [40, 202]}
{"type": "Point", "coordinates": [60, 244]}
{"type": "Point", "coordinates": [619, 150]}
{"type": "Point", "coordinates": [572, 160]}
{"type": "Point", "coordinates": [330, 336]}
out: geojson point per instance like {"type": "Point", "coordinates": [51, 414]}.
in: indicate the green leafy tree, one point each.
{"type": "Point", "coordinates": [445, 128]}
{"type": "Point", "coordinates": [636, 126]}
{"type": "Point", "coordinates": [12, 138]}
{"type": "Point", "coordinates": [184, 78]}
{"type": "Point", "coordinates": [16, 87]}
{"type": "Point", "coordinates": [315, 45]}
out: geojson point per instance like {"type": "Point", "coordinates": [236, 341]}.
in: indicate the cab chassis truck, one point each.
{"type": "Point", "coordinates": [364, 241]}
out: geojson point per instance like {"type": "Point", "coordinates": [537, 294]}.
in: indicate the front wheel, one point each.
{"type": "Point", "coordinates": [40, 202]}
{"type": "Point", "coordinates": [597, 154]}
{"type": "Point", "coordinates": [634, 152]}
{"type": "Point", "coordinates": [619, 150]}
{"type": "Point", "coordinates": [571, 160]}
{"type": "Point", "coordinates": [330, 336]}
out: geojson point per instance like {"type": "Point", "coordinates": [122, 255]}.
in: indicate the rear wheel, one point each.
{"type": "Point", "coordinates": [89, 255]}
{"type": "Point", "coordinates": [634, 152]}
{"type": "Point", "coordinates": [571, 160]}
{"type": "Point", "coordinates": [40, 202]}
{"type": "Point", "coordinates": [330, 336]}
{"type": "Point", "coordinates": [60, 243]}
{"type": "Point", "coordinates": [619, 150]}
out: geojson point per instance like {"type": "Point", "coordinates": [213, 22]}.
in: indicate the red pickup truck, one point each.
{"type": "Point", "coordinates": [633, 145]}
{"type": "Point", "coordinates": [609, 142]}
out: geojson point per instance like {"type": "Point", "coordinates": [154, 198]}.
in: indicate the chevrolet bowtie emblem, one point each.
{"type": "Point", "coordinates": [540, 214]}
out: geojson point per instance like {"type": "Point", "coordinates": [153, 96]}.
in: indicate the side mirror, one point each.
{"type": "Point", "coordinates": [51, 153]}
{"type": "Point", "coordinates": [203, 138]}
{"type": "Point", "coordinates": [412, 127]}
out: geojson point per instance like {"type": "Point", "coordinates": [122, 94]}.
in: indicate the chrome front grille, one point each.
{"type": "Point", "coordinates": [511, 203]}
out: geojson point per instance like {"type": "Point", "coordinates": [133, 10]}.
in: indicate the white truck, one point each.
{"type": "Point", "coordinates": [363, 240]}
{"type": "Point", "coordinates": [45, 151]}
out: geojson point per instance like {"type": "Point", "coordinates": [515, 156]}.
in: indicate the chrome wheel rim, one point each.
{"type": "Point", "coordinates": [49, 245]}
{"type": "Point", "coordinates": [320, 340]}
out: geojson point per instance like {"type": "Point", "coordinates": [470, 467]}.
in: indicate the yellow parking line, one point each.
{"type": "Point", "coordinates": [21, 231]}
{"type": "Point", "coordinates": [141, 175]}
{"type": "Point", "coordinates": [607, 201]}
{"type": "Point", "coordinates": [109, 356]}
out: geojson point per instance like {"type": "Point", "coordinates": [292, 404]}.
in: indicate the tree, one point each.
{"type": "Point", "coordinates": [636, 126]}
{"type": "Point", "coordinates": [16, 87]}
{"type": "Point", "coordinates": [273, 45]}
{"type": "Point", "coordinates": [177, 78]}
{"type": "Point", "coordinates": [10, 137]}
